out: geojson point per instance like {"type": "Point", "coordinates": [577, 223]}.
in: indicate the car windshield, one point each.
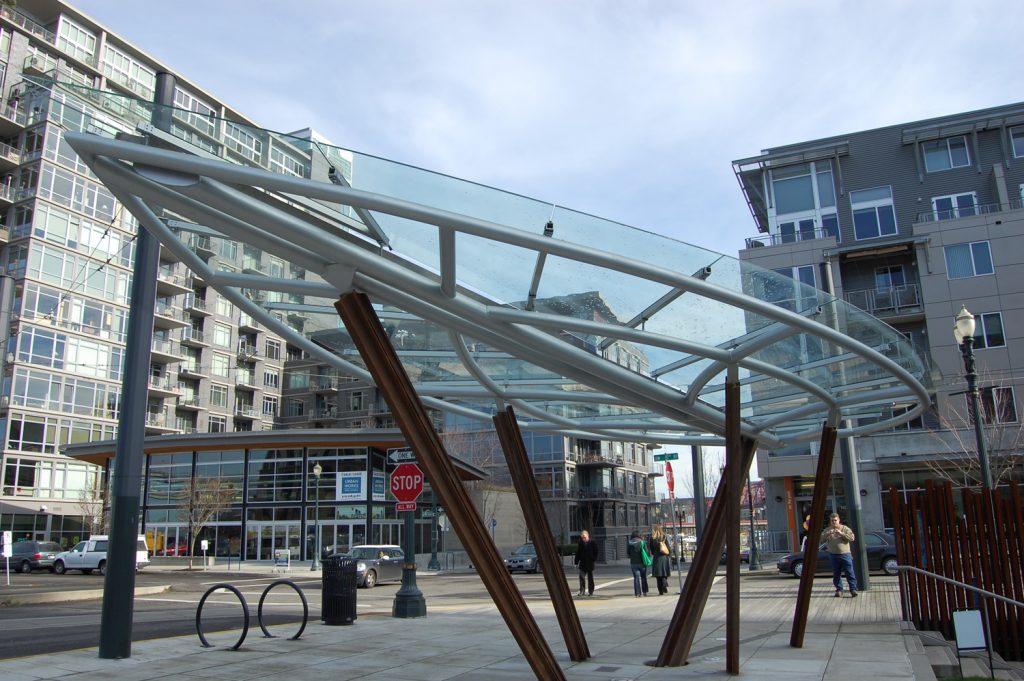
{"type": "Point", "coordinates": [524, 550]}
{"type": "Point", "coordinates": [363, 553]}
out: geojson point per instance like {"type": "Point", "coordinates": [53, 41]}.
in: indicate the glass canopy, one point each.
{"type": "Point", "coordinates": [587, 327]}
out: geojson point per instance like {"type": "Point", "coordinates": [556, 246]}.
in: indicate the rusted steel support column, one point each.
{"type": "Point", "coordinates": [536, 522]}
{"type": "Point", "coordinates": [803, 596]}
{"type": "Point", "coordinates": [683, 628]}
{"type": "Point", "coordinates": [365, 328]}
{"type": "Point", "coordinates": [735, 472]}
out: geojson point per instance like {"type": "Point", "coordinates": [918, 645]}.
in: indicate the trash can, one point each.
{"type": "Point", "coordinates": [338, 590]}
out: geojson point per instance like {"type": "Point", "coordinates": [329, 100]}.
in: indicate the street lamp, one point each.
{"type": "Point", "coordinates": [317, 470]}
{"type": "Point", "coordinates": [963, 332]}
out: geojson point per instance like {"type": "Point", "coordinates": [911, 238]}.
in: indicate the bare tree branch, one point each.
{"type": "Point", "coordinates": [199, 502]}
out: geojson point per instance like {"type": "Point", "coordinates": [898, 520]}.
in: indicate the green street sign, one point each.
{"type": "Point", "coordinates": [667, 456]}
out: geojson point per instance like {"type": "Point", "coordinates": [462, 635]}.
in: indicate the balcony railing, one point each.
{"type": "Point", "coordinates": [886, 301]}
{"type": "Point", "coordinates": [247, 412]}
{"type": "Point", "coordinates": [777, 239]}
{"type": "Point", "coordinates": [36, 29]}
{"type": "Point", "coordinates": [969, 211]}
{"type": "Point", "coordinates": [163, 383]}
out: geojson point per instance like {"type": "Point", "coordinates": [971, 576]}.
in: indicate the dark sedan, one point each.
{"type": "Point", "coordinates": [881, 557]}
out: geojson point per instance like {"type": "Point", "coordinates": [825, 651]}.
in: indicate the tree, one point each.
{"type": "Point", "coordinates": [92, 503]}
{"type": "Point", "coordinates": [957, 458]}
{"type": "Point", "coordinates": [199, 502]}
{"type": "Point", "coordinates": [482, 449]}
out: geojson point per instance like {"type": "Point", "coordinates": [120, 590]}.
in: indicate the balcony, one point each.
{"type": "Point", "coordinates": [599, 493]}
{"type": "Point", "coordinates": [201, 246]}
{"type": "Point", "coordinates": [598, 461]}
{"type": "Point", "coordinates": [190, 403]}
{"type": "Point", "coordinates": [324, 384]}
{"type": "Point", "coordinates": [247, 352]}
{"type": "Point", "coordinates": [764, 240]}
{"type": "Point", "coordinates": [969, 211]}
{"type": "Point", "coordinates": [191, 370]}
{"type": "Point", "coordinates": [246, 411]}
{"type": "Point", "coordinates": [245, 380]}
{"type": "Point", "coordinates": [196, 306]}
{"type": "Point", "coordinates": [247, 323]}
{"type": "Point", "coordinates": [157, 422]}
{"type": "Point", "coordinates": [193, 338]}
{"type": "Point", "coordinates": [323, 414]}
{"type": "Point", "coordinates": [10, 157]}
{"type": "Point", "coordinates": [170, 283]}
{"type": "Point", "coordinates": [165, 351]}
{"type": "Point", "coordinates": [13, 119]}
{"type": "Point", "coordinates": [163, 386]}
{"type": "Point", "coordinates": [887, 302]}
{"type": "Point", "coordinates": [168, 316]}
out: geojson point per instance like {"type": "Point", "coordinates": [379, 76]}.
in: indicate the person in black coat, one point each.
{"type": "Point", "coordinates": [586, 557]}
{"type": "Point", "coordinates": [661, 567]}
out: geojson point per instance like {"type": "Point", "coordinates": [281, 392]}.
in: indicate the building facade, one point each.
{"type": "Point", "coordinates": [908, 222]}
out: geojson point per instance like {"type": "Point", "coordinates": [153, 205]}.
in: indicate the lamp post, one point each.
{"type": "Point", "coordinates": [317, 470]}
{"type": "Point", "coordinates": [753, 560]}
{"type": "Point", "coordinates": [963, 332]}
{"type": "Point", "coordinates": [434, 563]}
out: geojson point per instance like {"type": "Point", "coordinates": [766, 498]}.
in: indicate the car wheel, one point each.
{"type": "Point", "coordinates": [59, 568]}
{"type": "Point", "coordinates": [25, 567]}
{"type": "Point", "coordinates": [798, 568]}
{"type": "Point", "coordinates": [102, 567]}
{"type": "Point", "coordinates": [534, 570]}
{"type": "Point", "coordinates": [371, 579]}
{"type": "Point", "coordinates": [889, 565]}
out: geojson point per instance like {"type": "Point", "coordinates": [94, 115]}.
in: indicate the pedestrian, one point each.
{"type": "Point", "coordinates": [639, 559]}
{"type": "Point", "coordinates": [661, 567]}
{"type": "Point", "coordinates": [586, 556]}
{"type": "Point", "coordinates": [837, 538]}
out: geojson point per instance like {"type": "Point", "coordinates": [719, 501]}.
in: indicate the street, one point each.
{"type": "Point", "coordinates": [51, 627]}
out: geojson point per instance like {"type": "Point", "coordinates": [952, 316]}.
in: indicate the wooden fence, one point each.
{"type": "Point", "coordinates": [979, 542]}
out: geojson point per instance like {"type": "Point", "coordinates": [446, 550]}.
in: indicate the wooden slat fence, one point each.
{"type": "Point", "coordinates": [980, 543]}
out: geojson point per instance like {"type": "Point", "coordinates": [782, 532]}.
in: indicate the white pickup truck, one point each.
{"type": "Point", "coordinates": [91, 554]}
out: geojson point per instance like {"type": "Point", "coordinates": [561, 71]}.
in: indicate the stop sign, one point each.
{"type": "Point", "coordinates": [670, 480]}
{"type": "Point", "coordinates": [407, 482]}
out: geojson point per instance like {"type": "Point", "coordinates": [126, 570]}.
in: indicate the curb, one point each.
{"type": "Point", "coordinates": [73, 595]}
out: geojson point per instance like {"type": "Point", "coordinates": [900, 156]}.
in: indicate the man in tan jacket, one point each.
{"type": "Point", "coordinates": [837, 538]}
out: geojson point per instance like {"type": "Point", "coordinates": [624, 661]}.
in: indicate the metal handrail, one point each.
{"type": "Point", "coordinates": [983, 592]}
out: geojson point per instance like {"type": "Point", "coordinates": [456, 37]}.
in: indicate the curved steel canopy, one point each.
{"type": "Point", "coordinates": [587, 327]}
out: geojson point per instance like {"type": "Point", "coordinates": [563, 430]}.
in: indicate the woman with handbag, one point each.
{"type": "Point", "coordinates": [659, 550]}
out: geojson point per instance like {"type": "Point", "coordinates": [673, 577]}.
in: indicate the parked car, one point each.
{"type": "Point", "coordinates": [91, 554]}
{"type": "Point", "coordinates": [881, 557]}
{"type": "Point", "coordinates": [27, 556]}
{"type": "Point", "coordinates": [523, 558]}
{"type": "Point", "coordinates": [377, 563]}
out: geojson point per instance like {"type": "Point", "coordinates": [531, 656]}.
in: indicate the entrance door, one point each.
{"type": "Point", "coordinates": [262, 539]}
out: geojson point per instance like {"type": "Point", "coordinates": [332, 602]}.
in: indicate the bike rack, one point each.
{"type": "Point", "coordinates": [245, 612]}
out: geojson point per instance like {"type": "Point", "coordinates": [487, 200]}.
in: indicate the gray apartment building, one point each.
{"type": "Point", "coordinates": [909, 222]}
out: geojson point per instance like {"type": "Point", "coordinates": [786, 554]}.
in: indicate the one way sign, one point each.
{"type": "Point", "coordinates": [396, 456]}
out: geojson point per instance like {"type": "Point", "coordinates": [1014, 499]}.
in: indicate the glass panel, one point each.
{"type": "Point", "coordinates": [794, 195]}
{"type": "Point", "coordinates": [982, 258]}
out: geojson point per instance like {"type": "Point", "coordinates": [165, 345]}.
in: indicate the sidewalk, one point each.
{"type": "Point", "coordinates": [845, 639]}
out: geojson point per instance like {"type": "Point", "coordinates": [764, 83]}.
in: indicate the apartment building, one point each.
{"type": "Point", "coordinates": [68, 249]}
{"type": "Point", "coordinates": [909, 222]}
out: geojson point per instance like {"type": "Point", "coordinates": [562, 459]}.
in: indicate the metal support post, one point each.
{"type": "Point", "coordinates": [317, 470]}
{"type": "Point", "coordinates": [409, 601]}
{"type": "Point", "coordinates": [434, 564]}
{"type": "Point", "coordinates": [854, 511]}
{"type": "Point", "coordinates": [126, 483]}
{"type": "Point", "coordinates": [699, 503]}
{"type": "Point", "coordinates": [753, 561]}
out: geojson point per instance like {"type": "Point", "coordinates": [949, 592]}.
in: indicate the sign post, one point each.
{"type": "Point", "coordinates": [8, 552]}
{"type": "Point", "coordinates": [406, 486]}
{"type": "Point", "coordinates": [677, 530]}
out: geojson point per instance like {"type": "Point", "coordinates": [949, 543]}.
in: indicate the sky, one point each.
{"type": "Point", "coordinates": [629, 110]}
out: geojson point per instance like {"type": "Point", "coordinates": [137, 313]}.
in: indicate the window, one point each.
{"type": "Point", "coordinates": [356, 403]}
{"type": "Point", "coordinates": [988, 330]}
{"type": "Point", "coordinates": [873, 215]}
{"type": "Point", "coordinates": [955, 206]}
{"type": "Point", "coordinates": [224, 307]}
{"type": "Point", "coordinates": [889, 277]}
{"type": "Point", "coordinates": [1017, 141]}
{"type": "Point", "coordinates": [222, 335]}
{"type": "Point", "coordinates": [269, 406]}
{"type": "Point", "coordinates": [945, 154]}
{"type": "Point", "coordinates": [968, 260]}
{"type": "Point", "coordinates": [997, 405]}
{"type": "Point", "coordinates": [271, 378]}
{"type": "Point", "coordinates": [218, 396]}
{"type": "Point", "coordinates": [273, 349]}
{"type": "Point", "coordinates": [804, 201]}
{"type": "Point", "coordinates": [217, 424]}
{"type": "Point", "coordinates": [220, 365]}
{"type": "Point", "coordinates": [786, 291]}
{"type": "Point", "coordinates": [296, 408]}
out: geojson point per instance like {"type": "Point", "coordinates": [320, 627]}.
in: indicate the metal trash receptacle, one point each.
{"type": "Point", "coordinates": [338, 590]}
